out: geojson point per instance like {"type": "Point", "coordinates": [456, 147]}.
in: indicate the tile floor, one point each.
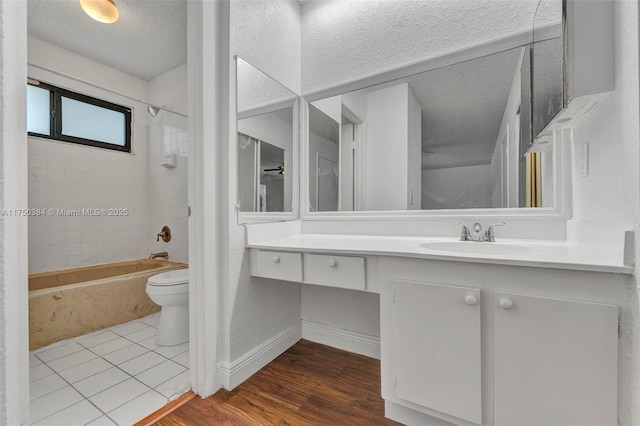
{"type": "Point", "coordinates": [114, 376]}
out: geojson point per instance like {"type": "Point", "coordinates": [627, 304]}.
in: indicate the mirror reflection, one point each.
{"type": "Point", "coordinates": [449, 138]}
{"type": "Point", "coordinates": [265, 126]}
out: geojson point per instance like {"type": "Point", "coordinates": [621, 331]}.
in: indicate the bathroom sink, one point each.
{"type": "Point", "coordinates": [473, 247]}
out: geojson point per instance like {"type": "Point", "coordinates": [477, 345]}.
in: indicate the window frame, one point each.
{"type": "Point", "coordinates": [55, 117]}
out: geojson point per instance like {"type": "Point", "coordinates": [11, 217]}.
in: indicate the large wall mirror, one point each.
{"type": "Point", "coordinates": [266, 142]}
{"type": "Point", "coordinates": [452, 137]}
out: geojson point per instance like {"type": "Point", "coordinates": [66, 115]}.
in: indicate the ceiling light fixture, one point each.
{"type": "Point", "coordinates": [104, 11]}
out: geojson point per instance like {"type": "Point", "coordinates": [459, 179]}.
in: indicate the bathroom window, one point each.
{"type": "Point", "coordinates": [60, 114]}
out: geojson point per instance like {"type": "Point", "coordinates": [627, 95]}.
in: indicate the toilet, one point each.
{"type": "Point", "coordinates": [171, 291]}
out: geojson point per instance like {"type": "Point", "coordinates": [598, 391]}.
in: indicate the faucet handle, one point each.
{"type": "Point", "coordinates": [488, 233]}
{"type": "Point", "coordinates": [465, 235]}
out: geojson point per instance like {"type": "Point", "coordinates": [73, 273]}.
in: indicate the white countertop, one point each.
{"type": "Point", "coordinates": [542, 254]}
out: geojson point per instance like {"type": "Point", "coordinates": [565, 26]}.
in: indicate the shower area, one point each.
{"type": "Point", "coordinates": [102, 207]}
{"type": "Point", "coordinates": [263, 189]}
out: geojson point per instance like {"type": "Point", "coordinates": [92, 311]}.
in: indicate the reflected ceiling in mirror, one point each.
{"type": "Point", "coordinates": [265, 141]}
{"type": "Point", "coordinates": [448, 138]}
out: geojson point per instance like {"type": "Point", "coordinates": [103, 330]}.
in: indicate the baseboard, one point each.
{"type": "Point", "coordinates": [232, 374]}
{"type": "Point", "coordinates": [348, 340]}
{"type": "Point", "coordinates": [408, 416]}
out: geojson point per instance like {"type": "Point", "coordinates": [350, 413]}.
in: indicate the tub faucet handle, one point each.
{"type": "Point", "coordinates": [165, 234]}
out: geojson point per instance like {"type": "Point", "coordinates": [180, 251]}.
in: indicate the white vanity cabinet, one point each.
{"type": "Point", "coordinates": [458, 349]}
{"type": "Point", "coordinates": [555, 360]}
{"type": "Point", "coordinates": [329, 270]}
{"type": "Point", "coordinates": [436, 334]}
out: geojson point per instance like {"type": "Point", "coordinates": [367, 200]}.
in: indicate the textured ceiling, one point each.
{"type": "Point", "coordinates": [462, 108]}
{"type": "Point", "coordinates": [149, 39]}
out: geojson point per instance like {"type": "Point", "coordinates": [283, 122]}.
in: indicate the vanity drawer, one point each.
{"type": "Point", "coordinates": [334, 271]}
{"type": "Point", "coordinates": [277, 265]}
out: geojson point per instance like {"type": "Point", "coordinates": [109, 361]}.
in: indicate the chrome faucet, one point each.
{"type": "Point", "coordinates": [465, 235]}
{"type": "Point", "coordinates": [487, 236]}
{"type": "Point", "coordinates": [159, 254]}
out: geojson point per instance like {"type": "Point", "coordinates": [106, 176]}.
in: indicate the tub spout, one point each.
{"type": "Point", "coordinates": [160, 254]}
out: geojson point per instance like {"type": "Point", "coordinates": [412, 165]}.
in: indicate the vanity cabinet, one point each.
{"type": "Point", "coordinates": [334, 271]}
{"type": "Point", "coordinates": [321, 269]}
{"type": "Point", "coordinates": [277, 265]}
{"type": "Point", "coordinates": [437, 361]}
{"type": "Point", "coordinates": [555, 361]}
{"type": "Point", "coordinates": [456, 347]}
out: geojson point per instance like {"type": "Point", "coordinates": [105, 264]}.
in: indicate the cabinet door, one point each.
{"type": "Point", "coordinates": [555, 361]}
{"type": "Point", "coordinates": [436, 336]}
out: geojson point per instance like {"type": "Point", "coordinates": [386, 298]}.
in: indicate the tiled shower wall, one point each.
{"type": "Point", "coordinates": [65, 176]}
{"type": "Point", "coordinates": [69, 176]}
{"type": "Point", "coordinates": [168, 185]}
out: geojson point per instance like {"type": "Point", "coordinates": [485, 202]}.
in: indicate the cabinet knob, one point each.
{"type": "Point", "coordinates": [506, 304]}
{"type": "Point", "coordinates": [332, 263]}
{"type": "Point", "coordinates": [275, 259]}
{"type": "Point", "coordinates": [471, 300]}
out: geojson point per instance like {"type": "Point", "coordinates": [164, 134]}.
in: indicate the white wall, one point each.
{"type": "Point", "coordinates": [14, 332]}
{"type": "Point", "coordinates": [70, 176]}
{"type": "Point", "coordinates": [344, 41]}
{"type": "Point", "coordinates": [325, 148]}
{"type": "Point", "coordinates": [510, 130]}
{"type": "Point", "coordinates": [609, 196]}
{"type": "Point", "coordinates": [457, 187]}
{"type": "Point", "coordinates": [394, 135]}
{"type": "Point", "coordinates": [167, 187]}
{"type": "Point", "coordinates": [266, 34]}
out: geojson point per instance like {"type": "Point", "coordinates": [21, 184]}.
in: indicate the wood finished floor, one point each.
{"type": "Point", "coordinates": [309, 384]}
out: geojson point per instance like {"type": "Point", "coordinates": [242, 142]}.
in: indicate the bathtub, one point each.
{"type": "Point", "coordinates": [73, 302]}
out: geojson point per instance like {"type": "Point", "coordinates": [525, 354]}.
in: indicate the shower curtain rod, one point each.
{"type": "Point", "coordinates": [97, 86]}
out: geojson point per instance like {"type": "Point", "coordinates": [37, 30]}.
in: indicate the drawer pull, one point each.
{"type": "Point", "coordinates": [471, 300]}
{"type": "Point", "coordinates": [332, 263]}
{"type": "Point", "coordinates": [275, 259]}
{"type": "Point", "coordinates": [506, 304]}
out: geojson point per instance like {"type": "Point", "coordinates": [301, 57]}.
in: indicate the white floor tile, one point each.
{"type": "Point", "coordinates": [45, 385]}
{"type": "Point", "coordinates": [119, 394]}
{"type": "Point", "coordinates": [149, 343]}
{"type": "Point", "coordinates": [39, 371]}
{"type": "Point", "coordinates": [111, 346]}
{"type": "Point", "coordinates": [101, 381]}
{"type": "Point", "coordinates": [142, 334]}
{"type": "Point", "coordinates": [72, 360]}
{"type": "Point", "coordinates": [88, 362]}
{"type": "Point", "coordinates": [102, 421]}
{"type": "Point", "coordinates": [143, 362]}
{"type": "Point", "coordinates": [182, 358]}
{"type": "Point", "coordinates": [95, 339]}
{"type": "Point", "coordinates": [53, 402]}
{"type": "Point", "coordinates": [160, 373]}
{"type": "Point", "coordinates": [33, 360]}
{"type": "Point", "coordinates": [138, 409]}
{"type": "Point", "coordinates": [77, 414]}
{"type": "Point", "coordinates": [171, 351]}
{"type": "Point", "coordinates": [129, 328]}
{"type": "Point", "coordinates": [175, 386]}
{"type": "Point", "coordinates": [151, 320]}
{"type": "Point", "coordinates": [125, 354]}
{"type": "Point", "coordinates": [84, 370]}
{"type": "Point", "coordinates": [58, 351]}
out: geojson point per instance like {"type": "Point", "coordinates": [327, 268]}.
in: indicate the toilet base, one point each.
{"type": "Point", "coordinates": [173, 328]}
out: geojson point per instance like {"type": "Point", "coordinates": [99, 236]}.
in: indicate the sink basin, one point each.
{"type": "Point", "coordinates": [473, 247]}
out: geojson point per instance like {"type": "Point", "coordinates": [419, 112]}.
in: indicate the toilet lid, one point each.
{"type": "Point", "coordinates": [176, 277]}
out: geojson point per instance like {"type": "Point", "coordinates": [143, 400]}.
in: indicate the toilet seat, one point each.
{"type": "Point", "coordinates": [170, 278]}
